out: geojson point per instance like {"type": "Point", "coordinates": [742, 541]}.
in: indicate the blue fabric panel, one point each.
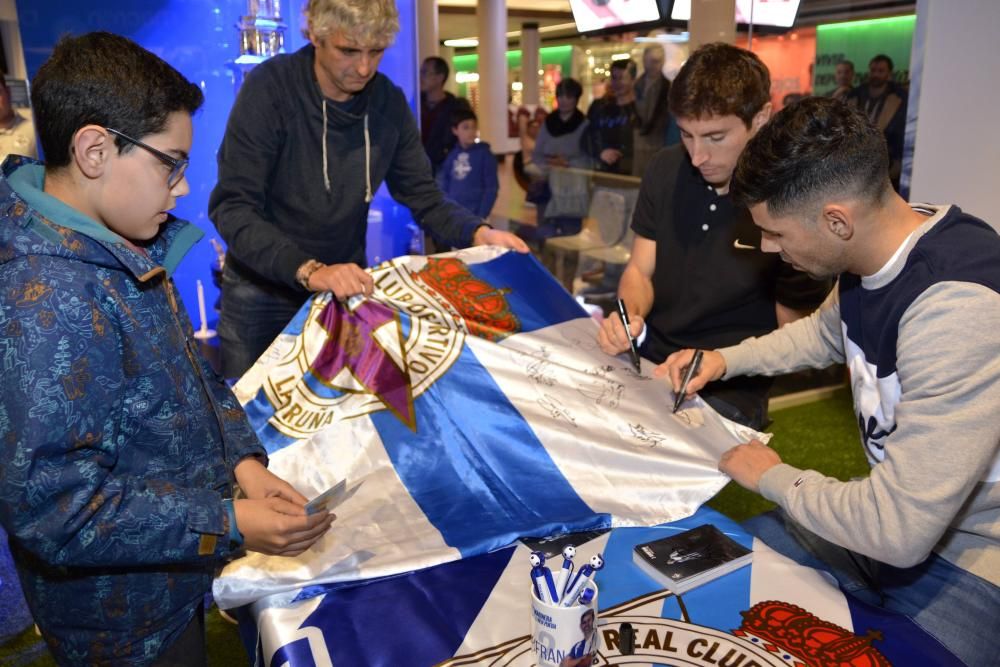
{"type": "Point", "coordinates": [419, 619]}
{"type": "Point", "coordinates": [469, 435]}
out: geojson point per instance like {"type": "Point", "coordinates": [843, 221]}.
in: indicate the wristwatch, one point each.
{"type": "Point", "coordinates": [307, 268]}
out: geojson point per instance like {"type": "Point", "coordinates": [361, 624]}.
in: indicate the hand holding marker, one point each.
{"type": "Point", "coordinates": [692, 370]}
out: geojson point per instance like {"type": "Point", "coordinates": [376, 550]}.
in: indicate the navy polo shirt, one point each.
{"type": "Point", "coordinates": [709, 289]}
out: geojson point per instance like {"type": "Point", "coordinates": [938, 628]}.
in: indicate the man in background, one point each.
{"type": "Point", "coordinates": [437, 106]}
{"type": "Point", "coordinates": [884, 102]}
{"type": "Point", "coordinates": [612, 119]}
{"type": "Point", "coordinates": [843, 76]}
{"type": "Point", "coordinates": [651, 106]}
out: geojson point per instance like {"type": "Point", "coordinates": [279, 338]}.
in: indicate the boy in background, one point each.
{"type": "Point", "coordinates": [468, 175]}
{"type": "Point", "coordinates": [121, 445]}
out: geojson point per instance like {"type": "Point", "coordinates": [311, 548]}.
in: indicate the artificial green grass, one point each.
{"type": "Point", "coordinates": [822, 435]}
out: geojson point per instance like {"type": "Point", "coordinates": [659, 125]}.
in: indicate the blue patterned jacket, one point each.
{"type": "Point", "coordinates": [118, 441]}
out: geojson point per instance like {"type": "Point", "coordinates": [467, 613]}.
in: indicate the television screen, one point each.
{"type": "Point", "coordinates": [777, 13]}
{"type": "Point", "coordinates": [591, 15]}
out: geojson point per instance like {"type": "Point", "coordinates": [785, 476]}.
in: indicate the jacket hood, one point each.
{"type": "Point", "coordinates": [342, 116]}
{"type": "Point", "coordinates": [55, 229]}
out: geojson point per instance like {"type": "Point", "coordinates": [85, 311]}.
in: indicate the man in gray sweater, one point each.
{"type": "Point", "coordinates": [916, 318]}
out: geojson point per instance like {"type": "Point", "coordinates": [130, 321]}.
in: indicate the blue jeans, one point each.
{"type": "Point", "coordinates": [252, 315]}
{"type": "Point", "coordinates": [959, 609]}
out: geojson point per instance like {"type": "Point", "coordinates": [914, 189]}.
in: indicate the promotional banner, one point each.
{"type": "Point", "coordinates": [464, 405]}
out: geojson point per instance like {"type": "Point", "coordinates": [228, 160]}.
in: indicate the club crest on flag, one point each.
{"type": "Point", "coordinates": [773, 634]}
{"type": "Point", "coordinates": [483, 307]}
{"type": "Point", "coordinates": [381, 353]}
{"type": "Point", "coordinates": [781, 626]}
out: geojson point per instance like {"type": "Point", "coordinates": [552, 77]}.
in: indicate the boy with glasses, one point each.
{"type": "Point", "coordinates": [121, 445]}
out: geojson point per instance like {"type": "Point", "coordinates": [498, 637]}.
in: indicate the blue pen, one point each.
{"type": "Point", "coordinates": [587, 596]}
{"type": "Point", "coordinates": [581, 579]}
{"type": "Point", "coordinates": [564, 573]}
{"type": "Point", "coordinates": [545, 587]}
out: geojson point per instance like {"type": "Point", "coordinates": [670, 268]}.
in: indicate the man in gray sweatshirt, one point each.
{"type": "Point", "coordinates": [916, 318]}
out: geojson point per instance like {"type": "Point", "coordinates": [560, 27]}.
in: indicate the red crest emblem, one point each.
{"type": "Point", "coordinates": [483, 306]}
{"type": "Point", "coordinates": [819, 643]}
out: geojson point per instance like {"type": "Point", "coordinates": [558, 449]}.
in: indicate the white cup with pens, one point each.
{"type": "Point", "coordinates": [564, 623]}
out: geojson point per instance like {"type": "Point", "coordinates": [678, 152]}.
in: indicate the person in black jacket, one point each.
{"type": "Point", "coordinates": [652, 108]}
{"type": "Point", "coordinates": [309, 140]}
{"type": "Point", "coordinates": [884, 102]}
{"type": "Point", "coordinates": [612, 119]}
{"type": "Point", "coordinates": [437, 110]}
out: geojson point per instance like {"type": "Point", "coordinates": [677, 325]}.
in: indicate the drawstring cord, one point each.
{"type": "Point", "coordinates": [368, 159]}
{"type": "Point", "coordinates": [326, 173]}
{"type": "Point", "coordinates": [368, 163]}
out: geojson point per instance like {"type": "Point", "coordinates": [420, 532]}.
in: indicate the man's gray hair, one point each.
{"type": "Point", "coordinates": [362, 20]}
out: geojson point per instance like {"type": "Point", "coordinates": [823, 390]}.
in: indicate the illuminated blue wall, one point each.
{"type": "Point", "coordinates": [199, 37]}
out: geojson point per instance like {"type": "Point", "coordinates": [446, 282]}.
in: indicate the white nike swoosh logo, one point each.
{"type": "Point", "coordinates": [742, 246]}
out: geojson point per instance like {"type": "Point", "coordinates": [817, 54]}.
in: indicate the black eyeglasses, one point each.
{"type": "Point", "coordinates": [177, 166]}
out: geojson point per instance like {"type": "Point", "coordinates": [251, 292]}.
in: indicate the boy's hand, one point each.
{"type": "Point", "coordinates": [278, 527]}
{"type": "Point", "coordinates": [713, 367]}
{"type": "Point", "coordinates": [259, 482]}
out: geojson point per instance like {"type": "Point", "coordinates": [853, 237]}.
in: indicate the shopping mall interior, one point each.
{"type": "Point", "coordinates": [509, 60]}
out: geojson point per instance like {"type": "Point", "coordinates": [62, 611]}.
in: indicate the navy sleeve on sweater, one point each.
{"type": "Point", "coordinates": [249, 151]}
{"type": "Point", "coordinates": [411, 184]}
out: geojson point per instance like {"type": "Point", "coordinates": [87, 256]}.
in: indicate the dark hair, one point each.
{"type": "Point", "coordinates": [440, 65]}
{"type": "Point", "coordinates": [881, 58]}
{"type": "Point", "coordinates": [107, 80]}
{"type": "Point", "coordinates": [721, 80]}
{"type": "Point", "coordinates": [461, 115]}
{"type": "Point", "coordinates": [847, 62]}
{"type": "Point", "coordinates": [569, 87]}
{"type": "Point", "coordinates": [626, 64]}
{"type": "Point", "coordinates": [817, 148]}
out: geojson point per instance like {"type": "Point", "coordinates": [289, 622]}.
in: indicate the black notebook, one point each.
{"type": "Point", "coordinates": [689, 559]}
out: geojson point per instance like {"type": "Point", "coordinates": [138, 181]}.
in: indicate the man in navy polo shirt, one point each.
{"type": "Point", "coordinates": [695, 277]}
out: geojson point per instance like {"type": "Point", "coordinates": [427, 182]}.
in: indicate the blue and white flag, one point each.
{"type": "Point", "coordinates": [476, 611]}
{"type": "Point", "coordinates": [469, 399]}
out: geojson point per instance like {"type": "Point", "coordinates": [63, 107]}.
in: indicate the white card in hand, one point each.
{"type": "Point", "coordinates": [332, 497]}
